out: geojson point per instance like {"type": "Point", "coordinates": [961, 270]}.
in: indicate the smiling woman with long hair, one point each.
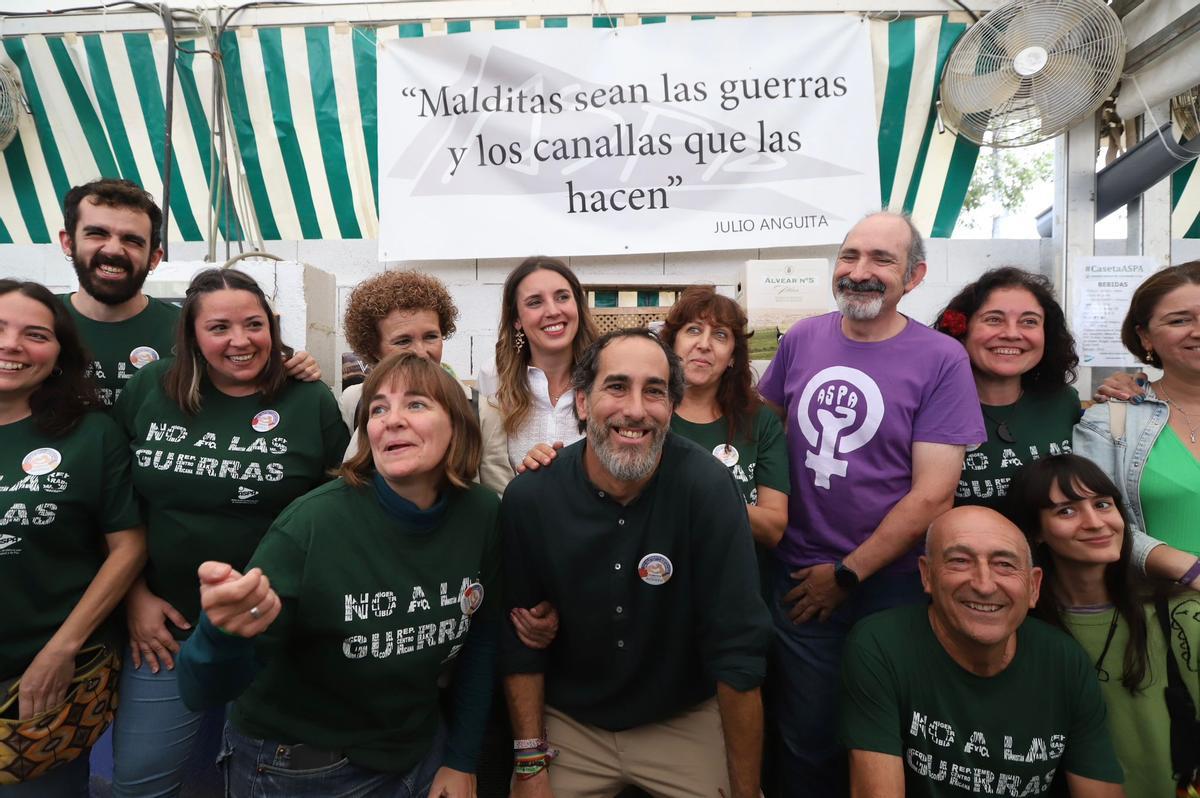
{"type": "Point", "coordinates": [545, 326]}
{"type": "Point", "coordinates": [71, 543]}
{"type": "Point", "coordinates": [222, 441]}
{"type": "Point", "coordinates": [1073, 516]}
{"type": "Point", "coordinates": [361, 597]}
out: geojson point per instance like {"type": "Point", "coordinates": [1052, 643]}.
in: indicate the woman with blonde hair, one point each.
{"type": "Point", "coordinates": [362, 596]}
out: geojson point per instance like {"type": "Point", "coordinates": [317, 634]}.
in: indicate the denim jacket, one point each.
{"type": "Point", "coordinates": [1122, 462]}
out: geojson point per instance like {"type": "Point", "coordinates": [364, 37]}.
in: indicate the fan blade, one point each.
{"type": "Point", "coordinates": [1057, 90]}
{"type": "Point", "coordinates": [1040, 26]}
{"type": "Point", "coordinates": [969, 94]}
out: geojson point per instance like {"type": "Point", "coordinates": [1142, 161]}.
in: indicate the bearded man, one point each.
{"type": "Point", "coordinates": [112, 234]}
{"type": "Point", "coordinates": [879, 410]}
{"type": "Point", "coordinates": [641, 541]}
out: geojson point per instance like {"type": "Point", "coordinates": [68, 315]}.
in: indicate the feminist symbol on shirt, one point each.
{"type": "Point", "coordinates": [848, 406]}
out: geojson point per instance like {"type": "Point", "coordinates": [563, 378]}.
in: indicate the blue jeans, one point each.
{"type": "Point", "coordinates": [808, 658]}
{"type": "Point", "coordinates": [65, 781]}
{"type": "Point", "coordinates": [156, 738]}
{"type": "Point", "coordinates": [262, 769]}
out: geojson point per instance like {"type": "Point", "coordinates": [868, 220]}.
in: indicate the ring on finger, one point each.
{"type": "Point", "coordinates": [255, 613]}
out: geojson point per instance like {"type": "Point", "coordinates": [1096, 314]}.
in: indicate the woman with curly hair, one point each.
{"type": "Point", "coordinates": [395, 311]}
{"type": "Point", "coordinates": [1023, 360]}
{"type": "Point", "coordinates": [544, 328]}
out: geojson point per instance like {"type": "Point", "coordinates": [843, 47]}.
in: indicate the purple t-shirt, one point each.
{"type": "Point", "coordinates": [853, 412]}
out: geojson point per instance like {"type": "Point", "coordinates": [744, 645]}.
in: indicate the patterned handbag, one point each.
{"type": "Point", "coordinates": [30, 748]}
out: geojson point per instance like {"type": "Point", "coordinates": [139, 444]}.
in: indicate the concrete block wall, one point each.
{"type": "Point", "coordinates": [476, 284]}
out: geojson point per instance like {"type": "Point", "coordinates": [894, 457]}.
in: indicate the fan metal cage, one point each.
{"type": "Point", "coordinates": [10, 105]}
{"type": "Point", "coordinates": [1031, 69]}
{"type": "Point", "coordinates": [1185, 110]}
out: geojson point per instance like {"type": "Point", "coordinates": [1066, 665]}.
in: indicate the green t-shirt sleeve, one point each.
{"type": "Point", "coordinates": [282, 555]}
{"type": "Point", "coordinates": [334, 435]}
{"type": "Point", "coordinates": [1089, 752]}
{"type": "Point", "coordinates": [124, 412]}
{"type": "Point", "coordinates": [870, 712]}
{"type": "Point", "coordinates": [772, 470]}
{"type": "Point", "coordinates": [119, 509]}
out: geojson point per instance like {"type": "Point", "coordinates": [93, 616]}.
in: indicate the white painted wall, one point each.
{"type": "Point", "coordinates": [476, 284]}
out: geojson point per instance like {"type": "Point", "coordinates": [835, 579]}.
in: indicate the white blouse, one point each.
{"type": "Point", "coordinates": [545, 423]}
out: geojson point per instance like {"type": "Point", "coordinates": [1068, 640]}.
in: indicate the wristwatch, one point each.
{"type": "Point", "coordinates": [844, 576]}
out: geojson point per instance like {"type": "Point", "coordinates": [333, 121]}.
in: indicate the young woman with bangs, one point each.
{"type": "Point", "coordinates": [1073, 516]}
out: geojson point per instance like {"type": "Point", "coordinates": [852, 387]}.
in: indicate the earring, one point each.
{"type": "Point", "coordinates": [56, 372]}
{"type": "Point", "coordinates": [1149, 355]}
{"type": "Point", "coordinates": [519, 341]}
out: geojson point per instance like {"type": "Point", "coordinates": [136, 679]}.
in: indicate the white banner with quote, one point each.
{"type": "Point", "coordinates": [724, 134]}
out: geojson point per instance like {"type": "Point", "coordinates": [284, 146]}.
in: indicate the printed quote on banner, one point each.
{"type": "Point", "coordinates": [731, 134]}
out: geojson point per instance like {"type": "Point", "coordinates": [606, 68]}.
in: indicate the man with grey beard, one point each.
{"type": "Point", "coordinates": [878, 411]}
{"type": "Point", "coordinates": [641, 541]}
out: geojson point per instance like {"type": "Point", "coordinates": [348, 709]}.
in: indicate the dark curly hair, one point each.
{"type": "Point", "coordinates": [1057, 367]}
{"type": "Point", "coordinates": [374, 298]}
{"type": "Point", "coordinates": [736, 396]}
{"type": "Point", "coordinates": [115, 193]}
{"type": "Point", "coordinates": [63, 398]}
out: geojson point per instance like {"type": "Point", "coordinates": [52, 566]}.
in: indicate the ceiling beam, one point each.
{"type": "Point", "coordinates": [394, 11]}
{"type": "Point", "coordinates": [1163, 40]}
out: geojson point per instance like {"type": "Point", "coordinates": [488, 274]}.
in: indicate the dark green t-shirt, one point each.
{"type": "Point", "coordinates": [1040, 426]}
{"type": "Point", "coordinates": [59, 497]}
{"type": "Point", "coordinates": [376, 613]}
{"type": "Point", "coordinates": [761, 460]}
{"type": "Point", "coordinates": [959, 734]}
{"type": "Point", "coordinates": [120, 348]}
{"type": "Point", "coordinates": [212, 483]}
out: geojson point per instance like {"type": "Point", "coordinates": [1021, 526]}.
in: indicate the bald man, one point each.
{"type": "Point", "coordinates": [967, 696]}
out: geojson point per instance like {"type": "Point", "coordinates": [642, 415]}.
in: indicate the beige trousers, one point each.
{"type": "Point", "coordinates": [681, 757]}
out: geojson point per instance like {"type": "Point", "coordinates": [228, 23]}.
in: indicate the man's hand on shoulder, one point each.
{"type": "Point", "coordinates": [302, 366]}
{"type": "Point", "coordinates": [817, 595]}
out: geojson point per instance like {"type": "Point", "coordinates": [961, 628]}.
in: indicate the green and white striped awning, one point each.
{"type": "Point", "coordinates": [1185, 202]}
{"type": "Point", "coordinates": [302, 103]}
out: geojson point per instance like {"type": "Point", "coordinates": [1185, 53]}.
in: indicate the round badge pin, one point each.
{"type": "Point", "coordinates": [655, 569]}
{"type": "Point", "coordinates": [41, 461]}
{"type": "Point", "coordinates": [265, 421]}
{"type": "Point", "coordinates": [726, 454]}
{"type": "Point", "coordinates": [471, 599]}
{"type": "Point", "coordinates": [143, 356]}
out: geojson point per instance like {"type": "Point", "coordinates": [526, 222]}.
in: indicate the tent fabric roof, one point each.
{"type": "Point", "coordinates": [302, 104]}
